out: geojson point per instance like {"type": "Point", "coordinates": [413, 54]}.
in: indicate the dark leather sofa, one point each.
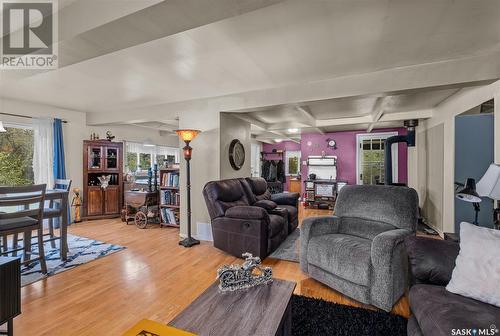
{"type": "Point", "coordinates": [434, 310]}
{"type": "Point", "coordinates": [247, 218]}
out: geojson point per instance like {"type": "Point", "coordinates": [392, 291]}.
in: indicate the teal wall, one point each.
{"type": "Point", "coordinates": [474, 152]}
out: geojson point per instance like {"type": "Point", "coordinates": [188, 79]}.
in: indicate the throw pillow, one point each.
{"type": "Point", "coordinates": [477, 268]}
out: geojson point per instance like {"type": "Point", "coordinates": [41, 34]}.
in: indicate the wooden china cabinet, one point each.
{"type": "Point", "coordinates": [102, 158]}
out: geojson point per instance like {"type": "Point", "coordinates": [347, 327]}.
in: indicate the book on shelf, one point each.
{"type": "Point", "coordinates": [170, 179]}
{"type": "Point", "coordinates": [169, 216]}
{"type": "Point", "coordinates": [170, 197]}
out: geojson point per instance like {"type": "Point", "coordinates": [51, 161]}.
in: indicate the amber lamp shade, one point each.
{"type": "Point", "coordinates": [187, 135]}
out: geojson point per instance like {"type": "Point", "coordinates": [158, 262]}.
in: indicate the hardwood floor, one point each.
{"type": "Point", "coordinates": [152, 278]}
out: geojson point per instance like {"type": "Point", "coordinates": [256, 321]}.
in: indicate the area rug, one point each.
{"type": "Point", "coordinates": [318, 317]}
{"type": "Point", "coordinates": [81, 251]}
{"type": "Point", "coordinates": [289, 249]}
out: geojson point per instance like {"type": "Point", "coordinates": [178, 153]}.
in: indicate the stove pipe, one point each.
{"type": "Point", "coordinates": [409, 138]}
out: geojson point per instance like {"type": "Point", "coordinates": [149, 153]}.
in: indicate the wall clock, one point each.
{"type": "Point", "coordinates": [236, 154]}
{"type": "Point", "coordinates": [331, 143]}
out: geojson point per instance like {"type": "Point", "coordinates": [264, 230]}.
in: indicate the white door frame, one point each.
{"type": "Point", "coordinates": [364, 136]}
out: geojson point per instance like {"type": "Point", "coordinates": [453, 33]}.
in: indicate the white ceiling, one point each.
{"type": "Point", "coordinates": [123, 63]}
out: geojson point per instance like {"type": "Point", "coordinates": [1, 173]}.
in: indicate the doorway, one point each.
{"type": "Point", "coordinates": [371, 158]}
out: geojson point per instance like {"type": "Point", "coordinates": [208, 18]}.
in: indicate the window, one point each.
{"type": "Point", "coordinates": [140, 158]}
{"type": "Point", "coordinates": [371, 158]}
{"type": "Point", "coordinates": [16, 155]}
{"type": "Point", "coordinates": [292, 162]}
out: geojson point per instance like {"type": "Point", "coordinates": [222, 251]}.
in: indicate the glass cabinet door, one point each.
{"type": "Point", "coordinates": [112, 157]}
{"type": "Point", "coordinates": [95, 158]}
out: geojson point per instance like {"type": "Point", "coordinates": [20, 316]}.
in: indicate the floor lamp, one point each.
{"type": "Point", "coordinates": [187, 135]}
{"type": "Point", "coordinates": [469, 194]}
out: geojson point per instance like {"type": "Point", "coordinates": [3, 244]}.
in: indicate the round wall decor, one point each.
{"type": "Point", "coordinates": [236, 154]}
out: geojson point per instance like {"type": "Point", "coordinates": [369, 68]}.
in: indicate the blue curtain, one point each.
{"type": "Point", "coordinates": [58, 164]}
{"type": "Point", "coordinates": [59, 167]}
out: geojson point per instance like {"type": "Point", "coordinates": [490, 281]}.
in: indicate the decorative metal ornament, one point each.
{"type": "Point", "coordinates": [236, 154]}
{"type": "Point", "coordinates": [104, 180]}
{"type": "Point", "coordinates": [236, 277]}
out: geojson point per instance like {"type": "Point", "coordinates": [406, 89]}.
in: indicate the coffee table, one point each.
{"type": "Point", "coordinates": [261, 310]}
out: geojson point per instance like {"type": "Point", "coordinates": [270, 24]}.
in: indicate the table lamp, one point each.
{"type": "Point", "coordinates": [489, 186]}
{"type": "Point", "coordinates": [469, 194]}
{"type": "Point", "coordinates": [187, 135]}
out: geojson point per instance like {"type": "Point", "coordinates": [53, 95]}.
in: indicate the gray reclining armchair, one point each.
{"type": "Point", "coordinates": [359, 251]}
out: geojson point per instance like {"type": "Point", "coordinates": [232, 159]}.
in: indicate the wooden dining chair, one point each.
{"type": "Point", "coordinates": [25, 220]}
{"type": "Point", "coordinates": [54, 210]}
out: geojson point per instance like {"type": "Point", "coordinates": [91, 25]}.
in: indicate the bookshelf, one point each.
{"type": "Point", "coordinates": [170, 197]}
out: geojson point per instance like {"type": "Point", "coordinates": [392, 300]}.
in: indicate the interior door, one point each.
{"type": "Point", "coordinates": [94, 201]}
{"type": "Point", "coordinates": [371, 158]}
{"type": "Point", "coordinates": [112, 200]}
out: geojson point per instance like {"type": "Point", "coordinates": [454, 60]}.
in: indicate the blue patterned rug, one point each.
{"type": "Point", "coordinates": [81, 251]}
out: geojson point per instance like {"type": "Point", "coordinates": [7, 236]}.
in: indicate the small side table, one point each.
{"type": "Point", "coordinates": [455, 237]}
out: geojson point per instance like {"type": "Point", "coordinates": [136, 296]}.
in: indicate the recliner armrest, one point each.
{"type": "Point", "coordinates": [389, 265]}
{"type": "Point", "coordinates": [265, 204]}
{"type": "Point", "coordinates": [247, 212]}
{"type": "Point", "coordinates": [315, 226]}
{"type": "Point", "coordinates": [431, 260]}
{"type": "Point", "coordinates": [286, 198]}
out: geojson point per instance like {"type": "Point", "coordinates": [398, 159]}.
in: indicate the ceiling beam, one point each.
{"type": "Point", "coordinates": [378, 111]}
{"type": "Point", "coordinates": [406, 115]}
{"type": "Point", "coordinates": [398, 116]}
{"type": "Point", "coordinates": [310, 119]}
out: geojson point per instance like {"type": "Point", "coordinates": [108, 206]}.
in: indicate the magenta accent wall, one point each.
{"type": "Point", "coordinates": [345, 152]}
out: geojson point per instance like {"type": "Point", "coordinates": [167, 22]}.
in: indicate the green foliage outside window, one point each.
{"type": "Point", "coordinates": [132, 162]}
{"type": "Point", "coordinates": [293, 165]}
{"type": "Point", "coordinates": [145, 161]}
{"type": "Point", "coordinates": [16, 156]}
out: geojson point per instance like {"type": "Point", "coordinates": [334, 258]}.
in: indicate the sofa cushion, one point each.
{"type": "Point", "coordinates": [276, 225]}
{"type": "Point", "coordinates": [394, 205]}
{"type": "Point", "coordinates": [477, 268]}
{"type": "Point", "coordinates": [345, 256]}
{"type": "Point", "coordinates": [259, 189]}
{"type": "Point", "coordinates": [222, 195]}
{"type": "Point", "coordinates": [438, 311]}
{"type": "Point", "coordinates": [363, 228]}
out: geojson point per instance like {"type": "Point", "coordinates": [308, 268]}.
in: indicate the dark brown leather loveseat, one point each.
{"type": "Point", "coordinates": [247, 218]}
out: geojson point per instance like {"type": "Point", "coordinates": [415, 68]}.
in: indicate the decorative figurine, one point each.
{"type": "Point", "coordinates": [235, 277]}
{"type": "Point", "coordinates": [109, 136]}
{"type": "Point", "coordinates": [77, 203]}
{"type": "Point", "coordinates": [104, 179]}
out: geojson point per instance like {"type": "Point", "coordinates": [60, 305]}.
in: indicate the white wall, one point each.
{"type": "Point", "coordinates": [233, 128]}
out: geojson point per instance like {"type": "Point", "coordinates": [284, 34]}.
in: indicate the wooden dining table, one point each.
{"type": "Point", "coordinates": [62, 196]}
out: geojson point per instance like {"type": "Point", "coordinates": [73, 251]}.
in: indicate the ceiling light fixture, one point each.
{"type": "Point", "coordinates": [293, 130]}
{"type": "Point", "coordinates": [278, 140]}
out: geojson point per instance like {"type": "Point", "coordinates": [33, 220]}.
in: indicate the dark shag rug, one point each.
{"type": "Point", "coordinates": [315, 317]}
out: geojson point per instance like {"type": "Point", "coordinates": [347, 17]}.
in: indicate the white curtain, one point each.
{"type": "Point", "coordinates": [43, 151]}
